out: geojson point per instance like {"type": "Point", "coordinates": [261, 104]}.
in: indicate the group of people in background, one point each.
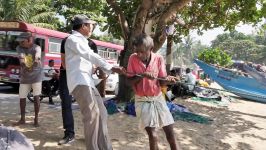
{"type": "Point", "coordinates": [75, 80]}
{"type": "Point", "coordinates": [258, 67]}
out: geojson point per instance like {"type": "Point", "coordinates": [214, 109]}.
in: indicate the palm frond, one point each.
{"type": "Point", "coordinates": [24, 14]}
{"type": "Point", "coordinates": [45, 25]}
{"type": "Point", "coordinates": [7, 9]}
{"type": "Point", "coordinates": [44, 17]}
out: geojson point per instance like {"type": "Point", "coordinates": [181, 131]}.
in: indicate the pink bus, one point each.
{"type": "Point", "coordinates": [48, 40]}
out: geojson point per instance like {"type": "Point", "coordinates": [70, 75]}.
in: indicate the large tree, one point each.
{"type": "Point", "coordinates": [127, 19]}
{"type": "Point", "coordinates": [69, 8]}
{"type": "Point", "coordinates": [241, 46]}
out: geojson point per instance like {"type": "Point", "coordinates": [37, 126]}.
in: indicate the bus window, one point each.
{"type": "Point", "coordinates": [102, 51]}
{"type": "Point", "coordinates": [40, 42]}
{"type": "Point", "coordinates": [54, 45]}
{"type": "Point", "coordinates": [7, 40]}
{"type": "Point", "coordinates": [112, 54]}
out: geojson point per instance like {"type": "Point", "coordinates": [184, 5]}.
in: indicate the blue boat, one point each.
{"type": "Point", "coordinates": [259, 76]}
{"type": "Point", "coordinates": [232, 81]}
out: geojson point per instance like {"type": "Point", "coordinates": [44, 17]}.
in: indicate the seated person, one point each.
{"type": "Point", "coordinates": [190, 81]}
{"type": "Point", "coordinates": [50, 78]}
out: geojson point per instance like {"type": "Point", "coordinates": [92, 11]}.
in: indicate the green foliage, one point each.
{"type": "Point", "coordinates": [69, 8]}
{"type": "Point", "coordinates": [232, 36]}
{"type": "Point", "coordinates": [201, 15]}
{"type": "Point", "coordinates": [37, 12]}
{"type": "Point", "coordinates": [242, 47]}
{"type": "Point", "coordinates": [113, 25]}
{"type": "Point", "coordinates": [215, 56]}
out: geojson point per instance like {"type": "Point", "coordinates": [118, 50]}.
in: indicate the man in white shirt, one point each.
{"type": "Point", "coordinates": [50, 79]}
{"type": "Point", "coordinates": [190, 80]}
{"type": "Point", "coordinates": [79, 59]}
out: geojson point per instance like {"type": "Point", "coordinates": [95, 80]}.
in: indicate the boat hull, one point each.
{"type": "Point", "coordinates": [235, 83]}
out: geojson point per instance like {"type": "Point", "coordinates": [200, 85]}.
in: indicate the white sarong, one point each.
{"type": "Point", "coordinates": [153, 111]}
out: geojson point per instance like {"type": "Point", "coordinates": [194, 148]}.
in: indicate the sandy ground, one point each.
{"type": "Point", "coordinates": [240, 126]}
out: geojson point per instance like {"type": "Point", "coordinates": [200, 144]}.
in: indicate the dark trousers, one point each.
{"type": "Point", "coordinates": [66, 102]}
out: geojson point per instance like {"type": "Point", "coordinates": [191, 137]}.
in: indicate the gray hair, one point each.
{"type": "Point", "coordinates": [143, 39]}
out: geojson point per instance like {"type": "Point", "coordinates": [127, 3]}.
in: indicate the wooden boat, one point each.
{"type": "Point", "coordinates": [234, 82]}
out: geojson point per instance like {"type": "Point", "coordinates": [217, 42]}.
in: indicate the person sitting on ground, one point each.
{"type": "Point", "coordinates": [51, 78]}
{"type": "Point", "coordinates": [190, 81]}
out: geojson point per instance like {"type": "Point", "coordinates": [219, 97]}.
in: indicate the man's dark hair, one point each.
{"type": "Point", "coordinates": [93, 46]}
{"type": "Point", "coordinates": [51, 60]}
{"type": "Point", "coordinates": [76, 27]}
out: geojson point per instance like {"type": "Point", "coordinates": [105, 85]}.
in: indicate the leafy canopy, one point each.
{"type": "Point", "coordinates": [242, 47]}
{"type": "Point", "coordinates": [38, 12]}
{"type": "Point", "coordinates": [215, 56]}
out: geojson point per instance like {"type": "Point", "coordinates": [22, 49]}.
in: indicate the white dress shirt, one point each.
{"type": "Point", "coordinates": [79, 61]}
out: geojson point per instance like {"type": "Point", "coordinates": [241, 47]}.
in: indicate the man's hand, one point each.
{"type": "Point", "coordinates": [172, 79]}
{"type": "Point", "coordinates": [56, 75]}
{"type": "Point", "coordinates": [24, 67]}
{"type": "Point", "coordinates": [119, 70]}
{"type": "Point", "coordinates": [37, 63]}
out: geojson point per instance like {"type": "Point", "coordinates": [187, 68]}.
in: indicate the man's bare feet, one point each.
{"type": "Point", "coordinates": [20, 122]}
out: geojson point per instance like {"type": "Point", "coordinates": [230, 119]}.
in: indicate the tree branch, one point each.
{"type": "Point", "coordinates": [141, 16]}
{"type": "Point", "coordinates": [121, 17]}
{"type": "Point", "coordinates": [165, 18]}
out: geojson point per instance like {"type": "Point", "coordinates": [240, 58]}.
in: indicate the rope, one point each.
{"type": "Point", "coordinates": [223, 90]}
{"type": "Point", "coordinates": [179, 82]}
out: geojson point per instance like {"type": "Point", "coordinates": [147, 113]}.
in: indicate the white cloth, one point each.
{"type": "Point", "coordinates": [50, 71]}
{"type": "Point", "coordinates": [79, 60]}
{"type": "Point", "coordinates": [24, 89]}
{"type": "Point", "coordinates": [153, 111]}
{"type": "Point", "coordinates": [190, 79]}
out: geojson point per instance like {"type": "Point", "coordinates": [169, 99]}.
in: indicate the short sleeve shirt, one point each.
{"type": "Point", "coordinates": [29, 55]}
{"type": "Point", "coordinates": [147, 87]}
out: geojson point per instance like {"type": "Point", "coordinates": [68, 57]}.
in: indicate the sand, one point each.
{"type": "Point", "coordinates": [240, 126]}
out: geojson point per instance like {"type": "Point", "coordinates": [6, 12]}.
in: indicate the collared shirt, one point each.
{"type": "Point", "coordinates": [79, 61]}
{"type": "Point", "coordinates": [147, 87]}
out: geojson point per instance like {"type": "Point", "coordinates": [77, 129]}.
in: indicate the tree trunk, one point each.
{"type": "Point", "coordinates": [125, 92]}
{"type": "Point", "coordinates": [169, 54]}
